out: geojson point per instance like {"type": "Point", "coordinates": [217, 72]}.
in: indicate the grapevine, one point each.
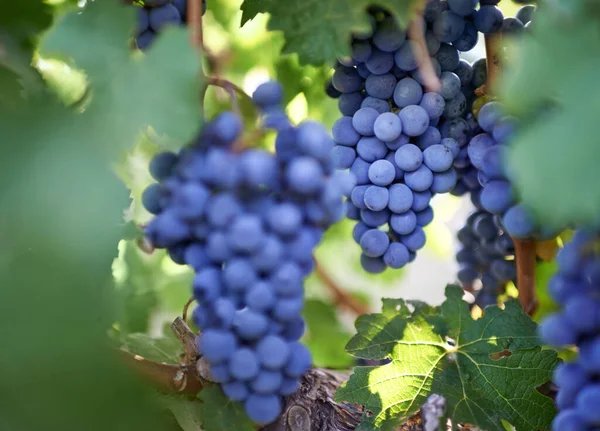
{"type": "Point", "coordinates": [201, 197]}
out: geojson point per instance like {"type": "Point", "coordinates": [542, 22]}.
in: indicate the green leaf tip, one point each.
{"type": "Point", "coordinates": [219, 413]}
{"type": "Point", "coordinates": [487, 369]}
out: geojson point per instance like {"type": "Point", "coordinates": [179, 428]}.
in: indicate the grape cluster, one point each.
{"type": "Point", "coordinates": [576, 287]}
{"type": "Point", "coordinates": [487, 153]}
{"type": "Point", "coordinates": [403, 143]}
{"type": "Point", "coordinates": [487, 255]}
{"type": "Point", "coordinates": [247, 221]}
{"type": "Point", "coordinates": [155, 15]}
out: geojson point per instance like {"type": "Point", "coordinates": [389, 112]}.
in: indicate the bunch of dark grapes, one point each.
{"type": "Point", "coordinates": [487, 251]}
{"type": "Point", "coordinates": [155, 15]}
{"type": "Point", "coordinates": [576, 287]}
{"type": "Point", "coordinates": [487, 153]}
{"type": "Point", "coordinates": [403, 143]}
{"type": "Point", "coordinates": [247, 221]}
{"type": "Point", "coordinates": [464, 129]}
{"type": "Point", "coordinates": [486, 255]}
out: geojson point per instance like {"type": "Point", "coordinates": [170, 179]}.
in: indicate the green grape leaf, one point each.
{"type": "Point", "coordinates": [25, 18]}
{"type": "Point", "coordinates": [161, 88]}
{"type": "Point", "coordinates": [320, 31]}
{"type": "Point", "coordinates": [549, 87]}
{"type": "Point", "coordinates": [138, 277]}
{"type": "Point", "coordinates": [487, 369]}
{"type": "Point", "coordinates": [544, 271]}
{"type": "Point", "coordinates": [327, 347]}
{"type": "Point", "coordinates": [166, 349]}
{"type": "Point", "coordinates": [17, 77]}
{"type": "Point", "coordinates": [187, 412]}
{"type": "Point", "coordinates": [219, 413]}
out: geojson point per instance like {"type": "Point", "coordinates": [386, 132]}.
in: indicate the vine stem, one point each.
{"type": "Point", "coordinates": [311, 408]}
{"type": "Point", "coordinates": [194, 21]}
{"type": "Point", "coordinates": [525, 255]}
{"type": "Point", "coordinates": [416, 33]}
{"type": "Point", "coordinates": [525, 250]}
{"type": "Point", "coordinates": [492, 43]}
{"type": "Point", "coordinates": [186, 307]}
{"type": "Point", "coordinates": [170, 378]}
{"type": "Point", "coordinates": [340, 296]}
{"type": "Point", "coordinates": [232, 89]}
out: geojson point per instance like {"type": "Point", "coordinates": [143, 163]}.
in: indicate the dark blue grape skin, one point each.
{"type": "Point", "coordinates": [462, 7]}
{"type": "Point", "coordinates": [479, 72]}
{"type": "Point", "coordinates": [343, 157]}
{"type": "Point", "coordinates": [331, 91]}
{"type": "Point", "coordinates": [361, 51]}
{"type": "Point", "coordinates": [162, 16]}
{"type": "Point", "coordinates": [380, 86]}
{"type": "Point", "coordinates": [403, 224]}
{"type": "Point", "coordinates": [405, 58]}
{"type": "Point", "coordinates": [434, 8]}
{"type": "Point", "coordinates": [379, 105]}
{"type": "Point", "coordinates": [144, 40]}
{"type": "Point", "coordinates": [347, 80]}
{"type": "Point", "coordinates": [438, 158]}
{"type": "Point", "coordinates": [448, 26]}
{"type": "Point", "coordinates": [415, 120]}
{"type": "Point", "coordinates": [450, 85]}
{"type": "Point", "coordinates": [388, 127]}
{"type": "Point", "coordinates": [382, 173]}
{"type": "Point", "coordinates": [448, 57]}
{"type": "Point", "coordinates": [400, 198]}
{"type": "Point", "coordinates": [512, 27]}
{"type": "Point", "coordinates": [389, 36]}
{"type": "Point", "coordinates": [420, 179]}
{"type": "Point", "coordinates": [151, 199]}
{"type": "Point", "coordinates": [374, 218]}
{"type": "Point", "coordinates": [373, 265]}
{"type": "Point", "coordinates": [444, 182]}
{"type": "Point", "coordinates": [374, 243]}
{"type": "Point", "coordinates": [434, 104]}
{"type": "Point", "coordinates": [455, 107]}
{"type": "Point", "coordinates": [349, 103]}
{"type": "Point", "coordinates": [396, 256]}
{"type": "Point", "coordinates": [497, 197]}
{"type": "Point", "coordinates": [518, 222]}
{"type": "Point", "coordinates": [425, 217]}
{"type": "Point", "coordinates": [380, 62]}
{"type": "Point", "coordinates": [433, 44]}
{"type": "Point", "coordinates": [489, 115]}
{"type": "Point", "coordinates": [344, 133]}
{"type": "Point", "coordinates": [420, 200]}
{"type": "Point", "coordinates": [489, 19]}
{"type": "Point", "coordinates": [263, 409]}
{"type": "Point", "coordinates": [363, 121]}
{"type": "Point", "coordinates": [407, 92]}
{"type": "Point", "coordinates": [468, 39]}
{"type": "Point", "coordinates": [376, 198]}
{"type": "Point", "coordinates": [418, 76]}
{"type": "Point", "coordinates": [525, 14]}
{"type": "Point", "coordinates": [371, 149]}
{"type": "Point", "coordinates": [464, 71]}
{"type": "Point", "coordinates": [143, 21]}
